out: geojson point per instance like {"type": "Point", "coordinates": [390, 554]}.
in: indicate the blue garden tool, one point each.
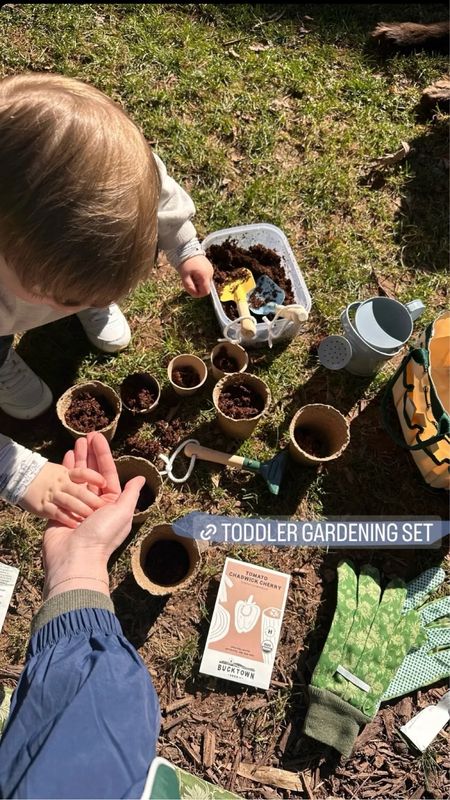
{"type": "Point", "coordinates": [266, 295]}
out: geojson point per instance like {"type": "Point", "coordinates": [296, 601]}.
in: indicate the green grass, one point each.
{"type": "Point", "coordinates": [183, 660]}
{"type": "Point", "coordinates": [283, 134]}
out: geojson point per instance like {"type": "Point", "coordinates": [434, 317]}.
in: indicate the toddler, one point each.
{"type": "Point", "coordinates": [85, 205]}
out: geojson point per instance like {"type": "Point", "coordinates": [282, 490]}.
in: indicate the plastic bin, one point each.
{"type": "Point", "coordinates": [271, 237]}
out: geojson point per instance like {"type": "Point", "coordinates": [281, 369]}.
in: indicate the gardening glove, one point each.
{"type": "Point", "coordinates": [368, 640]}
{"type": "Point", "coordinates": [431, 662]}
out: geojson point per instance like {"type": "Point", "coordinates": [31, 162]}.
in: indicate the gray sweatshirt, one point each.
{"type": "Point", "coordinates": [176, 236]}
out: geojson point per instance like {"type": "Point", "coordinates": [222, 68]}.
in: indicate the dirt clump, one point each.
{"type": "Point", "coordinates": [167, 562]}
{"type": "Point", "coordinates": [224, 361]}
{"type": "Point", "coordinates": [167, 435]}
{"type": "Point", "coordinates": [311, 442]}
{"type": "Point", "coordinates": [136, 445]}
{"type": "Point", "coordinates": [240, 401]}
{"type": "Point", "coordinates": [87, 413]}
{"type": "Point", "coordinates": [138, 392]}
{"type": "Point", "coordinates": [187, 377]}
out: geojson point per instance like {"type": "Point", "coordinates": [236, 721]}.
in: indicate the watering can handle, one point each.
{"type": "Point", "coordinates": [347, 324]}
{"type": "Point", "coordinates": [415, 308]}
{"type": "Point", "coordinates": [218, 457]}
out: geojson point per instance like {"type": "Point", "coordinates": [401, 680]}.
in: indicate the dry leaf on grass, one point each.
{"type": "Point", "coordinates": [393, 158]}
{"type": "Point", "coordinates": [386, 287]}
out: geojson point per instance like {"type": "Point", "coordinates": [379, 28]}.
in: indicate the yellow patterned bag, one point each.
{"type": "Point", "coordinates": [421, 392]}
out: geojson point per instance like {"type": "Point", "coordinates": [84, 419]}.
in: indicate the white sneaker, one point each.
{"type": "Point", "coordinates": [106, 328]}
{"type": "Point", "coordinates": [22, 394]}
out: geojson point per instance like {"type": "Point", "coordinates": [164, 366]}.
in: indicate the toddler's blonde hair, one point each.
{"type": "Point", "coordinates": [79, 191]}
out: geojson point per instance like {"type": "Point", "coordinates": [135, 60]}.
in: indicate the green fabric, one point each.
{"type": "Point", "coordinates": [419, 589]}
{"type": "Point", "coordinates": [172, 783]}
{"type": "Point", "coordinates": [369, 637]}
{"type": "Point", "coordinates": [431, 661]}
{"type": "Point", "coordinates": [194, 788]}
{"type": "Point", "coordinates": [69, 601]}
{"type": "Point", "coordinates": [337, 721]}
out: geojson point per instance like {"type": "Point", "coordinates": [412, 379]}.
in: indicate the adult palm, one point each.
{"type": "Point", "coordinates": [68, 551]}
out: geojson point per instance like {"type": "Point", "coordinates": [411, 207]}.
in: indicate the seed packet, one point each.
{"type": "Point", "coordinates": [246, 624]}
{"type": "Point", "coordinates": [8, 577]}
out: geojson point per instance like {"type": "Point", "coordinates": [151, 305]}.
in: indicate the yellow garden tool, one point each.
{"type": "Point", "coordinates": [237, 290]}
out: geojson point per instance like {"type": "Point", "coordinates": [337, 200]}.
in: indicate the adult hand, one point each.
{"type": "Point", "coordinates": [196, 274]}
{"type": "Point", "coordinates": [77, 559]}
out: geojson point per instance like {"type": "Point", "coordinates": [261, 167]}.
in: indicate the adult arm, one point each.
{"type": "Point", "coordinates": [84, 718]}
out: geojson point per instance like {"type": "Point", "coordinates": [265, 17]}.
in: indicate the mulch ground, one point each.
{"type": "Point", "coordinates": [215, 728]}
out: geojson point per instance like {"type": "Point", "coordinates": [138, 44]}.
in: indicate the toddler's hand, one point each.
{"type": "Point", "coordinates": [62, 494]}
{"type": "Point", "coordinates": [196, 274]}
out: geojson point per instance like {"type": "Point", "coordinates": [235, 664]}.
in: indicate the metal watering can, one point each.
{"type": "Point", "coordinates": [375, 331]}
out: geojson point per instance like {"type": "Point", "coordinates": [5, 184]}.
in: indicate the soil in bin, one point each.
{"type": "Point", "coordinates": [146, 497]}
{"type": "Point", "coordinates": [225, 362]}
{"type": "Point", "coordinates": [187, 377]}
{"type": "Point", "coordinates": [228, 259]}
{"type": "Point", "coordinates": [240, 401]}
{"type": "Point", "coordinates": [87, 413]}
{"type": "Point", "coordinates": [312, 442]}
{"type": "Point", "coordinates": [138, 392]}
{"type": "Point", "coordinates": [167, 562]}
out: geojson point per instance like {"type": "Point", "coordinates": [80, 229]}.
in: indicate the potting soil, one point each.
{"type": "Point", "coordinates": [239, 401]}
{"type": "Point", "coordinates": [225, 362]}
{"type": "Point", "coordinates": [310, 441]}
{"type": "Point", "coordinates": [87, 413]}
{"type": "Point", "coordinates": [138, 392]}
{"type": "Point", "coordinates": [187, 377]}
{"type": "Point", "coordinates": [228, 259]}
{"type": "Point", "coordinates": [167, 562]}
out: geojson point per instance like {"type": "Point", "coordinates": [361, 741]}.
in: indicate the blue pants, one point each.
{"type": "Point", "coordinates": [5, 346]}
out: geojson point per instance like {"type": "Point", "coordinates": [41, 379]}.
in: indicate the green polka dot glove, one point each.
{"type": "Point", "coordinates": [431, 662]}
{"type": "Point", "coordinates": [368, 640]}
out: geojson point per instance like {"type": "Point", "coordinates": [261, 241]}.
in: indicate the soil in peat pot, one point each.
{"type": "Point", "coordinates": [225, 362]}
{"type": "Point", "coordinates": [146, 497]}
{"type": "Point", "coordinates": [186, 377]}
{"type": "Point", "coordinates": [240, 401]}
{"type": "Point", "coordinates": [87, 413]}
{"type": "Point", "coordinates": [167, 562]}
{"type": "Point", "coordinates": [312, 442]}
{"type": "Point", "coordinates": [138, 392]}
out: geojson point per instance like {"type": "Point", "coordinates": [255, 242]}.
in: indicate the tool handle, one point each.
{"type": "Point", "coordinates": [216, 456]}
{"type": "Point", "coordinates": [248, 325]}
